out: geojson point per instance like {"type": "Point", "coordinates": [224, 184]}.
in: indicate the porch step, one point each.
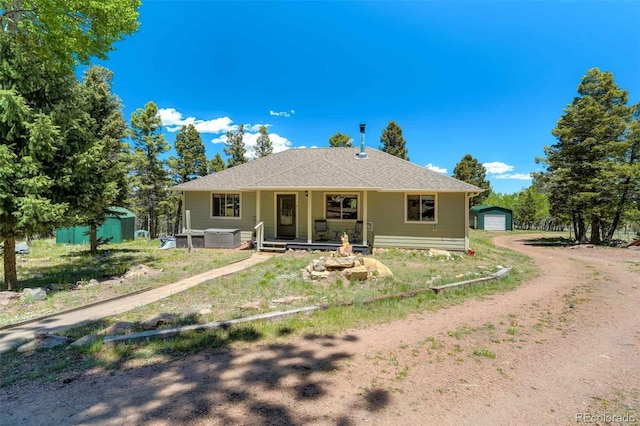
{"type": "Point", "coordinates": [273, 246]}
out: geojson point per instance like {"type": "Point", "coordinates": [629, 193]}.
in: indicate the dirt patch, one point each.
{"type": "Point", "coordinates": [555, 347]}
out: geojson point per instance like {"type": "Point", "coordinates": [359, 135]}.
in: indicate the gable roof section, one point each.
{"type": "Point", "coordinates": [328, 168]}
{"type": "Point", "coordinates": [488, 207]}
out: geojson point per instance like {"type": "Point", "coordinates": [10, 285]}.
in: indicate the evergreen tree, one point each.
{"type": "Point", "coordinates": [263, 144]}
{"type": "Point", "coordinates": [339, 139]}
{"type": "Point", "coordinates": [101, 181]}
{"type": "Point", "coordinates": [235, 148]}
{"type": "Point", "coordinates": [191, 160]}
{"type": "Point", "coordinates": [190, 163]}
{"type": "Point", "coordinates": [150, 180]}
{"type": "Point", "coordinates": [393, 142]}
{"type": "Point", "coordinates": [588, 170]}
{"type": "Point", "coordinates": [217, 164]}
{"type": "Point", "coordinates": [471, 171]}
{"type": "Point", "coordinates": [40, 109]}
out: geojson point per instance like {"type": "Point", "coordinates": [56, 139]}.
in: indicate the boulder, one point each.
{"type": "Point", "coordinates": [43, 341]}
{"type": "Point", "coordinates": [7, 296]}
{"type": "Point", "coordinates": [360, 273]}
{"type": "Point", "coordinates": [437, 253]}
{"type": "Point", "coordinates": [376, 266]}
{"type": "Point", "coordinates": [37, 293]}
{"type": "Point", "coordinates": [340, 262]}
{"type": "Point", "coordinates": [153, 322]}
{"type": "Point", "coordinates": [315, 275]}
{"type": "Point", "coordinates": [122, 327]}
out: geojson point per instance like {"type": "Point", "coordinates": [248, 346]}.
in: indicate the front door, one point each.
{"type": "Point", "coordinates": [286, 216]}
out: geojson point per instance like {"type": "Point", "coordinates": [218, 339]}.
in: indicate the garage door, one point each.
{"type": "Point", "coordinates": [495, 222]}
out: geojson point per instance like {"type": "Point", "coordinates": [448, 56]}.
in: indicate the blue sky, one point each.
{"type": "Point", "coordinates": [486, 78]}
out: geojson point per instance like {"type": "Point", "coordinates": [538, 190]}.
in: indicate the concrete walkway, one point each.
{"type": "Point", "coordinates": [10, 337]}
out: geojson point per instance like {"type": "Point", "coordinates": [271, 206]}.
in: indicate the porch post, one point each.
{"type": "Point", "coordinates": [258, 216]}
{"type": "Point", "coordinates": [309, 218]}
{"type": "Point", "coordinates": [365, 233]}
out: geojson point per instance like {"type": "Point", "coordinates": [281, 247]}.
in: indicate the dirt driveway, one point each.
{"type": "Point", "coordinates": [564, 344]}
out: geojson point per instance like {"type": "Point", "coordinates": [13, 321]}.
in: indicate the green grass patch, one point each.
{"type": "Point", "coordinates": [277, 279]}
{"type": "Point", "coordinates": [485, 352]}
{"type": "Point", "coordinates": [61, 266]}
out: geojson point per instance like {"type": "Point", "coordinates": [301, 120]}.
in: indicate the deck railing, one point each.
{"type": "Point", "coordinates": [259, 228]}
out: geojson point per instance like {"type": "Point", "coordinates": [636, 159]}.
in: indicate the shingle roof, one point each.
{"type": "Point", "coordinates": [328, 168]}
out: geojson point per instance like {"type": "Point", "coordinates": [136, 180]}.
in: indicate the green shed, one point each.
{"type": "Point", "coordinates": [491, 218]}
{"type": "Point", "coordinates": [119, 226]}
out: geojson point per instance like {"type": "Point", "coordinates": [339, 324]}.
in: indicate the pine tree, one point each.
{"type": "Point", "coordinates": [263, 144]}
{"type": "Point", "coordinates": [586, 170]}
{"type": "Point", "coordinates": [150, 179]}
{"type": "Point", "coordinates": [191, 160]}
{"type": "Point", "coordinates": [217, 164]}
{"type": "Point", "coordinates": [340, 139]}
{"type": "Point", "coordinates": [190, 163]}
{"type": "Point", "coordinates": [41, 117]}
{"type": "Point", "coordinates": [393, 142]}
{"type": "Point", "coordinates": [235, 148]}
{"type": "Point", "coordinates": [471, 171]}
{"type": "Point", "coordinates": [102, 181]}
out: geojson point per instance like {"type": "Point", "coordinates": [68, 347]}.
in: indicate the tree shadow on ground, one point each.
{"type": "Point", "coordinates": [83, 267]}
{"type": "Point", "coordinates": [200, 378]}
{"type": "Point", "coordinates": [549, 242]}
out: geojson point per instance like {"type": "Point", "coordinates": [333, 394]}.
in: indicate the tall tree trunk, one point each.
{"type": "Point", "coordinates": [10, 271]}
{"type": "Point", "coordinates": [93, 239]}
{"type": "Point", "coordinates": [581, 233]}
{"type": "Point", "coordinates": [595, 229]}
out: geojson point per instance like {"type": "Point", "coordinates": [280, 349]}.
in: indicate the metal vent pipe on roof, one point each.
{"type": "Point", "coordinates": [362, 153]}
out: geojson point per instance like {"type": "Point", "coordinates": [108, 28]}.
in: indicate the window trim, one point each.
{"type": "Point", "coordinates": [238, 193]}
{"type": "Point", "coordinates": [421, 222]}
{"type": "Point", "coordinates": [342, 193]}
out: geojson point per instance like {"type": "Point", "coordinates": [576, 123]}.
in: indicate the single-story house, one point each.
{"type": "Point", "coordinates": [307, 197]}
{"type": "Point", "coordinates": [491, 218]}
{"type": "Point", "coordinates": [118, 227]}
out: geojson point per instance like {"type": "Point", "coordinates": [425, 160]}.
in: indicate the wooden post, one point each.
{"type": "Point", "coordinates": [189, 242]}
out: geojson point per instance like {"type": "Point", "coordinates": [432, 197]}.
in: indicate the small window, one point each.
{"type": "Point", "coordinates": [341, 206]}
{"type": "Point", "coordinates": [225, 205]}
{"type": "Point", "coordinates": [421, 208]}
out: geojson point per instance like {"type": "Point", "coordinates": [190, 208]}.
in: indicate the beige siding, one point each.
{"type": "Point", "coordinates": [387, 213]}
{"type": "Point", "coordinates": [199, 203]}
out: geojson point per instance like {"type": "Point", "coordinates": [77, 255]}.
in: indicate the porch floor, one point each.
{"type": "Point", "coordinates": [302, 244]}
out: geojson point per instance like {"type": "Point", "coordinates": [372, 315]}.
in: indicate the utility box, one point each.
{"type": "Point", "coordinates": [197, 240]}
{"type": "Point", "coordinates": [222, 238]}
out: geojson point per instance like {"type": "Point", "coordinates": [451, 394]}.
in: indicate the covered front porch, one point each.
{"type": "Point", "coordinates": [290, 219]}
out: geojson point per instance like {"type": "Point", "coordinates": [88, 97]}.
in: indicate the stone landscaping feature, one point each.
{"type": "Point", "coordinates": [345, 265]}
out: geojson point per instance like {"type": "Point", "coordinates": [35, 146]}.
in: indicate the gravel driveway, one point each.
{"type": "Point", "coordinates": [565, 344]}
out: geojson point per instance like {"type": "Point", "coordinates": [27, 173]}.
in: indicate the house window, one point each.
{"type": "Point", "coordinates": [421, 208]}
{"type": "Point", "coordinates": [341, 206]}
{"type": "Point", "coordinates": [225, 205]}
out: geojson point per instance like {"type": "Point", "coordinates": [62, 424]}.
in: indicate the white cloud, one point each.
{"type": "Point", "coordinates": [282, 113]}
{"type": "Point", "coordinates": [497, 167]}
{"type": "Point", "coordinates": [173, 120]}
{"type": "Point", "coordinates": [255, 127]}
{"type": "Point", "coordinates": [436, 168]}
{"type": "Point", "coordinates": [517, 176]}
